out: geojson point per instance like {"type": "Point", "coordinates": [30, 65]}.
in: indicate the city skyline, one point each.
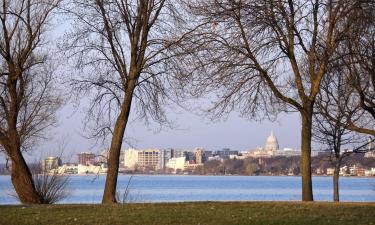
{"type": "Point", "coordinates": [193, 131]}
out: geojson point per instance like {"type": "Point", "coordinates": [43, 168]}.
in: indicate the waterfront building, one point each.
{"type": "Point", "coordinates": [370, 172]}
{"type": "Point", "coordinates": [51, 163]}
{"type": "Point", "coordinates": [330, 171]}
{"type": "Point", "coordinates": [131, 158]}
{"type": "Point", "coordinates": [146, 158]}
{"type": "Point", "coordinates": [91, 169]}
{"type": "Point", "coordinates": [68, 169]}
{"type": "Point", "coordinates": [104, 156]}
{"type": "Point", "coordinates": [150, 158]}
{"type": "Point", "coordinates": [198, 155]}
{"type": "Point", "coordinates": [176, 163]}
{"type": "Point", "coordinates": [86, 158]}
{"type": "Point", "coordinates": [167, 154]}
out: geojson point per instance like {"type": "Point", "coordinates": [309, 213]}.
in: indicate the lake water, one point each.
{"type": "Point", "coordinates": [168, 188]}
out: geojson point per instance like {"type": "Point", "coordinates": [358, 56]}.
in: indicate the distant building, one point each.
{"type": "Point", "coordinates": [272, 144]}
{"type": "Point", "coordinates": [104, 156]}
{"type": "Point", "coordinates": [288, 152]}
{"type": "Point", "coordinates": [51, 163]}
{"type": "Point", "coordinates": [370, 149]}
{"type": "Point", "coordinates": [272, 149]}
{"type": "Point", "coordinates": [91, 169]}
{"type": "Point", "coordinates": [176, 163]}
{"type": "Point", "coordinates": [225, 153]}
{"type": "Point", "coordinates": [131, 158]}
{"type": "Point", "coordinates": [330, 171]}
{"type": "Point", "coordinates": [86, 158]}
{"type": "Point", "coordinates": [150, 158]}
{"type": "Point", "coordinates": [198, 154]}
{"type": "Point", "coordinates": [68, 169]}
{"type": "Point", "coordinates": [167, 154]}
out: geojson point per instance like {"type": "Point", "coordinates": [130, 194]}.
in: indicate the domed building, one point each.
{"type": "Point", "coordinates": [272, 149]}
{"type": "Point", "coordinates": [271, 143]}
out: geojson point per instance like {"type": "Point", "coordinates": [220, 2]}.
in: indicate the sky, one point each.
{"type": "Point", "coordinates": [191, 131]}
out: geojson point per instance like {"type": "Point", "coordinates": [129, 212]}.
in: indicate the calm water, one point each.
{"type": "Point", "coordinates": [160, 188]}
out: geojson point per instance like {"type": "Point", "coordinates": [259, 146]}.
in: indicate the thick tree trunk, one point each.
{"type": "Point", "coordinates": [22, 179]}
{"type": "Point", "coordinates": [109, 195]}
{"type": "Point", "coordinates": [307, 193]}
{"type": "Point", "coordinates": [336, 176]}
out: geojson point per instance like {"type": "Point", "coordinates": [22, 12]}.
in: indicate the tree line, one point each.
{"type": "Point", "coordinates": [129, 57]}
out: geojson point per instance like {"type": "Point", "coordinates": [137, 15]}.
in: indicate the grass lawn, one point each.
{"type": "Point", "coordinates": [214, 213]}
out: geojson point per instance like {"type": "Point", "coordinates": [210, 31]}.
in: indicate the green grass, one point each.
{"type": "Point", "coordinates": [214, 213]}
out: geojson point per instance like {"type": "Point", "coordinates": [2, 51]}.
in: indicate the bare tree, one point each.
{"type": "Point", "coordinates": [356, 62]}
{"type": "Point", "coordinates": [27, 100]}
{"type": "Point", "coordinates": [121, 48]}
{"type": "Point", "coordinates": [360, 65]}
{"type": "Point", "coordinates": [336, 109]}
{"type": "Point", "coordinates": [268, 54]}
{"type": "Point", "coordinates": [50, 185]}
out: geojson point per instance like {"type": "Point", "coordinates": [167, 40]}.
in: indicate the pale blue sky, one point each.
{"type": "Point", "coordinates": [192, 131]}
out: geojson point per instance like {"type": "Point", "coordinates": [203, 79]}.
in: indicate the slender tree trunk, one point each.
{"type": "Point", "coordinates": [336, 176]}
{"type": "Point", "coordinates": [22, 179]}
{"type": "Point", "coordinates": [307, 193]}
{"type": "Point", "coordinates": [109, 195]}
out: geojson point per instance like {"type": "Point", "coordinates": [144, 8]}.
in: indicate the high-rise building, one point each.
{"type": "Point", "coordinates": [85, 158]}
{"type": "Point", "coordinates": [167, 154]}
{"type": "Point", "coordinates": [150, 158]}
{"type": "Point", "coordinates": [198, 153]}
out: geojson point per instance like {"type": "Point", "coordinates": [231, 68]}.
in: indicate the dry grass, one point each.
{"type": "Point", "coordinates": [214, 213]}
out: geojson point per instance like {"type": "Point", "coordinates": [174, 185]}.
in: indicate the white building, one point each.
{"type": "Point", "coordinates": [146, 158]}
{"type": "Point", "coordinates": [330, 171]}
{"type": "Point", "coordinates": [272, 149]}
{"type": "Point", "coordinates": [271, 144]}
{"type": "Point", "coordinates": [68, 169]}
{"type": "Point", "coordinates": [91, 169]}
{"type": "Point", "coordinates": [131, 158]}
{"type": "Point", "coordinates": [176, 163]}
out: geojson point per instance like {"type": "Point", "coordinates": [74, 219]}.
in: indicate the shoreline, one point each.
{"type": "Point", "coordinates": [206, 175]}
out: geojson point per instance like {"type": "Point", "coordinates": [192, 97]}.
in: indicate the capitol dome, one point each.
{"type": "Point", "coordinates": [271, 143]}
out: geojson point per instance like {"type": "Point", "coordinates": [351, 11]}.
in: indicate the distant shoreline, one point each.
{"type": "Point", "coordinates": [145, 174]}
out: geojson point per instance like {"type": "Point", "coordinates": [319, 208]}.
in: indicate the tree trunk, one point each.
{"type": "Point", "coordinates": [109, 195]}
{"type": "Point", "coordinates": [22, 179]}
{"type": "Point", "coordinates": [307, 193]}
{"type": "Point", "coordinates": [336, 176]}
